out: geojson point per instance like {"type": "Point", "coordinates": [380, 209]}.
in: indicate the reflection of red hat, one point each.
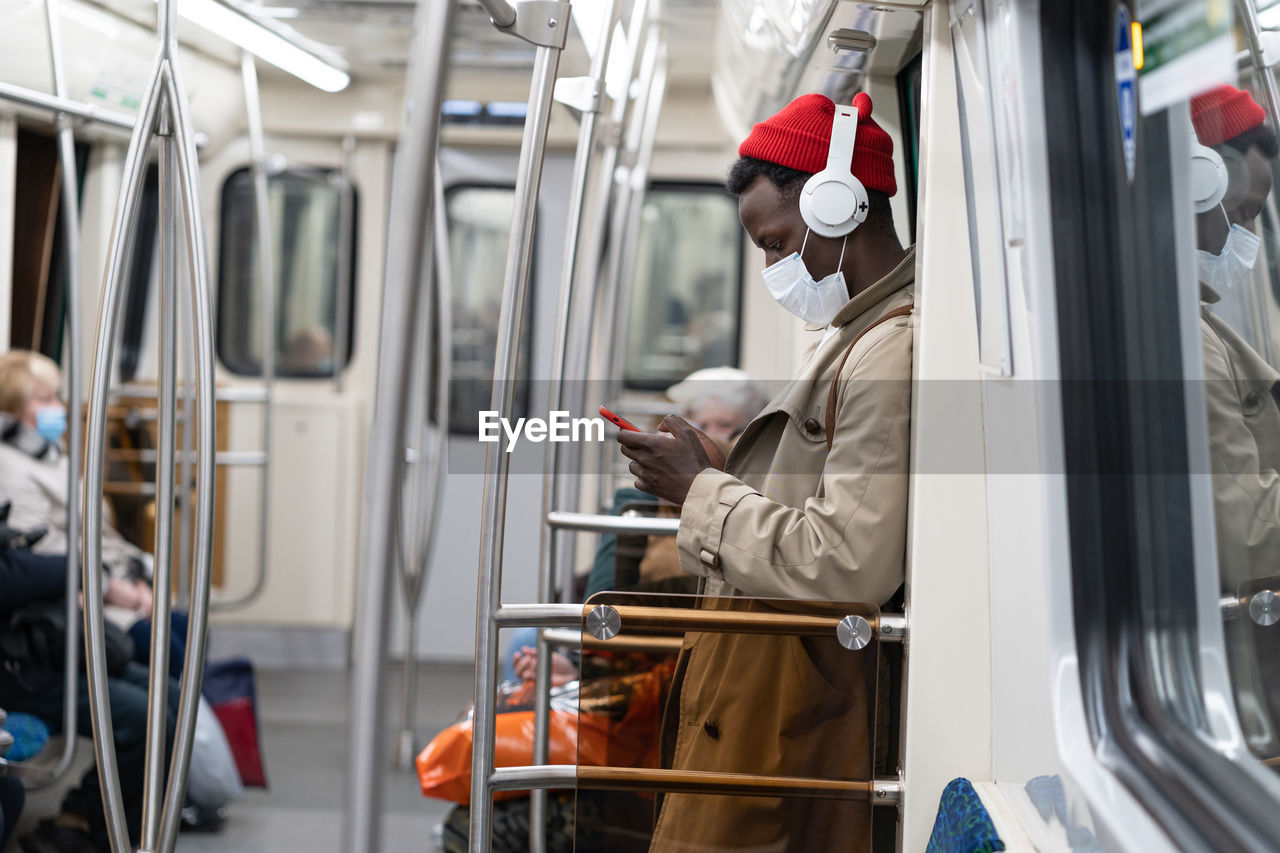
{"type": "Point", "coordinates": [1224, 112]}
{"type": "Point", "coordinates": [798, 135]}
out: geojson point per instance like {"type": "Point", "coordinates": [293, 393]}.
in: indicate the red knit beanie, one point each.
{"type": "Point", "coordinates": [1224, 112]}
{"type": "Point", "coordinates": [798, 135]}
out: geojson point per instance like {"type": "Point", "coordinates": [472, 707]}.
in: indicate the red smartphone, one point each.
{"type": "Point", "coordinates": [618, 421]}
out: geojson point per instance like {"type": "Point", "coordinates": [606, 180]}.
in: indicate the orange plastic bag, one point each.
{"type": "Point", "coordinates": [589, 739]}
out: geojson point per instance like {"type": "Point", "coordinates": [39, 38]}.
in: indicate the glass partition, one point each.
{"type": "Point", "coordinates": [704, 722]}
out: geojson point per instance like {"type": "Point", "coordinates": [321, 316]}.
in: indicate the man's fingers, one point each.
{"type": "Point", "coordinates": [675, 425]}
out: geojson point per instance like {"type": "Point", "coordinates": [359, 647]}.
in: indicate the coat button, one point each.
{"type": "Point", "coordinates": [712, 730]}
{"type": "Point", "coordinates": [812, 426]}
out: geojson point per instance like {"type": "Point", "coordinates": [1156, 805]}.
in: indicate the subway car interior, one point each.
{"type": "Point", "coordinates": [625, 425]}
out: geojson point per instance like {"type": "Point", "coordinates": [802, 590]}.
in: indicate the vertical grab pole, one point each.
{"type": "Point", "coordinates": [614, 304]}
{"type": "Point", "coordinates": [410, 207]}
{"type": "Point", "coordinates": [424, 505]}
{"type": "Point", "coordinates": [161, 605]}
{"type": "Point", "coordinates": [75, 373]}
{"type": "Point", "coordinates": [202, 311]}
{"type": "Point", "coordinates": [555, 18]}
{"type": "Point", "coordinates": [547, 564]}
{"type": "Point", "coordinates": [623, 278]}
{"type": "Point", "coordinates": [267, 293]}
{"type": "Point", "coordinates": [164, 94]}
{"type": "Point", "coordinates": [95, 457]}
{"type": "Point", "coordinates": [584, 328]}
{"type": "Point", "coordinates": [342, 312]}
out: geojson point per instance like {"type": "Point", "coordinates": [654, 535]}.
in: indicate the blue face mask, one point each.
{"type": "Point", "coordinates": [51, 423]}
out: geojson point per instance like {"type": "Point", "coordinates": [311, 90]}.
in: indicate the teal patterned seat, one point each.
{"type": "Point", "coordinates": [963, 825]}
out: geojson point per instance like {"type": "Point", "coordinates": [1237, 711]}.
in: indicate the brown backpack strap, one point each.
{"type": "Point", "coordinates": [904, 311]}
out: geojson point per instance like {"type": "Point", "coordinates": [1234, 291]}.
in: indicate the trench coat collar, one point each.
{"type": "Point", "coordinates": [901, 275]}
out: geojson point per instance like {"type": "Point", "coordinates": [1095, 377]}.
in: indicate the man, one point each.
{"type": "Point", "coordinates": [1244, 421]}
{"type": "Point", "coordinates": [1240, 392]}
{"type": "Point", "coordinates": [811, 504]}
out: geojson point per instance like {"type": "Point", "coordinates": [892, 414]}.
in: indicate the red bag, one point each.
{"type": "Point", "coordinates": [594, 739]}
{"type": "Point", "coordinates": [237, 719]}
{"type": "Point", "coordinates": [228, 685]}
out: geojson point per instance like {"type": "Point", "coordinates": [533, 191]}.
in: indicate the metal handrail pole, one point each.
{"type": "Point", "coordinates": [58, 105]}
{"type": "Point", "coordinates": [75, 428]}
{"type": "Point", "coordinates": [412, 522]}
{"type": "Point", "coordinates": [346, 217]}
{"type": "Point", "coordinates": [621, 189]}
{"type": "Point", "coordinates": [267, 292]}
{"type": "Point", "coordinates": [202, 310]}
{"type": "Point", "coordinates": [410, 206]}
{"type": "Point", "coordinates": [624, 524]}
{"type": "Point", "coordinates": [161, 605]}
{"type": "Point", "coordinates": [1253, 35]}
{"type": "Point", "coordinates": [438, 315]}
{"type": "Point", "coordinates": [493, 515]}
{"type": "Point", "coordinates": [119, 248]}
{"type": "Point", "coordinates": [624, 285]}
{"type": "Point", "coordinates": [584, 330]}
{"type": "Point", "coordinates": [612, 305]}
{"type": "Point", "coordinates": [680, 781]}
{"type": "Point", "coordinates": [501, 13]}
{"type": "Point", "coordinates": [184, 507]}
{"type": "Point", "coordinates": [547, 563]}
{"type": "Point", "coordinates": [538, 616]}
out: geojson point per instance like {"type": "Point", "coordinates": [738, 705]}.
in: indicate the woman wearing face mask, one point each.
{"type": "Point", "coordinates": [33, 479]}
{"type": "Point", "coordinates": [811, 504]}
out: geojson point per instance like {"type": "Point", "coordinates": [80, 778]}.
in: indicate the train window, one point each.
{"type": "Point", "coordinates": [686, 303]}
{"type": "Point", "coordinates": [479, 219]}
{"type": "Point", "coordinates": [1173, 485]}
{"type": "Point", "coordinates": [306, 216]}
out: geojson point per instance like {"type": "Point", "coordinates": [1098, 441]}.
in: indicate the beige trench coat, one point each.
{"type": "Point", "coordinates": [1244, 451]}
{"type": "Point", "coordinates": [788, 519]}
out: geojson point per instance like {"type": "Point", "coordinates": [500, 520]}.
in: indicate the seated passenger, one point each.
{"type": "Point", "coordinates": [27, 578]}
{"type": "Point", "coordinates": [12, 796]}
{"type": "Point", "coordinates": [720, 401]}
{"type": "Point", "coordinates": [33, 479]}
{"type": "Point", "coordinates": [813, 505]}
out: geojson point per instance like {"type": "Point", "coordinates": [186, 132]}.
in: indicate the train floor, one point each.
{"type": "Point", "coordinates": [304, 719]}
{"type": "Point", "coordinates": [304, 729]}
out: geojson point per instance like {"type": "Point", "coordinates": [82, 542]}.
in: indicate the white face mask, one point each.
{"type": "Point", "coordinates": [1232, 265]}
{"type": "Point", "coordinates": [791, 285]}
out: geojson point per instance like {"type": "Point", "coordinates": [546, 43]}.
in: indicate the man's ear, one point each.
{"type": "Point", "coordinates": [1211, 231]}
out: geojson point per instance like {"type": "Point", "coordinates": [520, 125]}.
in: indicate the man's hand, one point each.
{"type": "Point", "coordinates": [131, 595]}
{"type": "Point", "coordinates": [666, 462]}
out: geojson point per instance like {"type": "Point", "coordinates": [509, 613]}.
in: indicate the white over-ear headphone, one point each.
{"type": "Point", "coordinates": [1209, 177]}
{"type": "Point", "coordinates": [834, 202]}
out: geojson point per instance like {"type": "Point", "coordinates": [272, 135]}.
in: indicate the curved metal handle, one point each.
{"type": "Point", "coordinates": [267, 294]}
{"type": "Point", "coordinates": [164, 96]}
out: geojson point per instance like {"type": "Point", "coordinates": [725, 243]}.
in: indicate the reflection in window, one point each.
{"type": "Point", "coordinates": [306, 215]}
{"type": "Point", "coordinates": [479, 221]}
{"type": "Point", "coordinates": [685, 305]}
{"type": "Point", "coordinates": [1239, 318]}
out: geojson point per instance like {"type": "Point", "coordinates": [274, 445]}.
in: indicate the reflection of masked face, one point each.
{"type": "Point", "coordinates": [1225, 270]}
